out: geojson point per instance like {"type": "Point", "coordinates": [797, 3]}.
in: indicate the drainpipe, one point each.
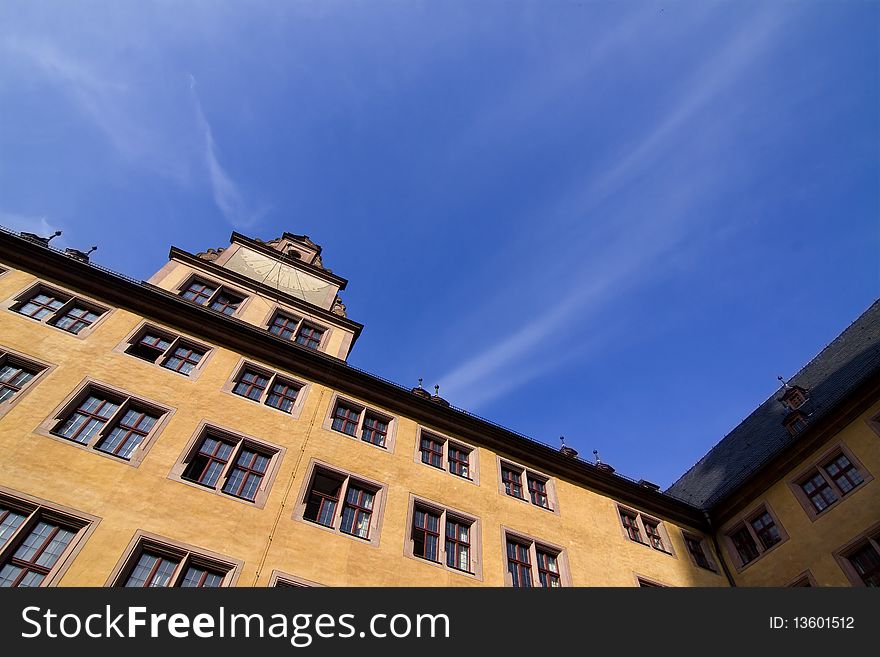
{"type": "Point", "coordinates": [718, 551]}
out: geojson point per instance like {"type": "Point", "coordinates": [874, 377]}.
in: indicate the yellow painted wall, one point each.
{"type": "Point", "coordinates": [811, 544]}
{"type": "Point", "coordinates": [129, 498]}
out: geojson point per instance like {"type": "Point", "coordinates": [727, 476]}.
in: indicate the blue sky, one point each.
{"type": "Point", "coordinates": [617, 222]}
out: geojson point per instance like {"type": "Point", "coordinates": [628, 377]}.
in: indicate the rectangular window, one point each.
{"type": "Point", "coordinates": [375, 430]}
{"type": "Point", "coordinates": [346, 419]}
{"type": "Point", "coordinates": [343, 503]}
{"type": "Point", "coordinates": [309, 336]}
{"type": "Point", "coordinates": [324, 499]}
{"type": "Point", "coordinates": [13, 377]}
{"type": "Point", "coordinates": [652, 531]}
{"type": "Point", "coordinates": [267, 387]}
{"type": "Point", "coordinates": [766, 530]}
{"type": "Point", "coordinates": [357, 511]}
{"type": "Point", "coordinates": [523, 552]}
{"type": "Point", "coordinates": [828, 481]}
{"type": "Point", "coordinates": [155, 562]}
{"type": "Point", "coordinates": [512, 480]}
{"type": "Point", "coordinates": [17, 374]}
{"type": "Point", "coordinates": [226, 303]}
{"type": "Point", "coordinates": [357, 421]}
{"type": "Point", "coordinates": [548, 570]}
{"type": "Point", "coordinates": [442, 536]}
{"type": "Point", "coordinates": [76, 318]}
{"type": "Point", "coordinates": [641, 528]}
{"type": "Point", "coordinates": [517, 479]}
{"type": "Point", "coordinates": [631, 525]}
{"type": "Point", "coordinates": [426, 534]}
{"type": "Point", "coordinates": [164, 348]}
{"type": "Point", "coordinates": [43, 304]}
{"type": "Point", "coordinates": [284, 326]}
{"type": "Point", "coordinates": [183, 359]}
{"type": "Point", "coordinates": [819, 492]}
{"type": "Point", "coordinates": [538, 491]}
{"type": "Point", "coordinates": [458, 543]}
{"type": "Point", "coordinates": [59, 309]}
{"type": "Point", "coordinates": [251, 384]}
{"type": "Point", "coordinates": [228, 463]}
{"type": "Point", "coordinates": [866, 561]}
{"type": "Point", "coordinates": [519, 564]}
{"type": "Point", "coordinates": [432, 450]}
{"type": "Point", "coordinates": [108, 421]}
{"type": "Point", "coordinates": [843, 473]}
{"type": "Point", "coordinates": [459, 461]}
{"type": "Point", "coordinates": [33, 540]}
{"type": "Point", "coordinates": [745, 545]}
{"type": "Point", "coordinates": [296, 330]}
{"type": "Point", "coordinates": [214, 296]}
{"type": "Point", "coordinates": [445, 454]}
{"type": "Point", "coordinates": [698, 553]}
{"type": "Point", "coordinates": [749, 538]}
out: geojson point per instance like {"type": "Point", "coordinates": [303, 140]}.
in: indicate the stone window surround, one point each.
{"type": "Point", "coordinates": [390, 436]}
{"type": "Point", "coordinates": [640, 521]}
{"type": "Point", "coordinates": [70, 403]}
{"type": "Point", "coordinates": [36, 508]}
{"type": "Point", "coordinates": [476, 536]}
{"type": "Point", "coordinates": [806, 575]}
{"type": "Point", "coordinates": [649, 581]}
{"type": "Point", "coordinates": [301, 319]}
{"type": "Point", "coordinates": [272, 374]}
{"type": "Point", "coordinates": [41, 367]}
{"type": "Point", "coordinates": [534, 543]}
{"type": "Point", "coordinates": [197, 276]}
{"type": "Point", "coordinates": [187, 554]}
{"type": "Point", "coordinates": [815, 465]}
{"type": "Point", "coordinates": [36, 286]}
{"type": "Point", "coordinates": [174, 337]}
{"type": "Point", "coordinates": [280, 578]}
{"type": "Point", "coordinates": [474, 452]}
{"type": "Point", "coordinates": [705, 544]}
{"type": "Point", "coordinates": [274, 452]}
{"type": "Point", "coordinates": [871, 535]}
{"type": "Point", "coordinates": [378, 510]}
{"type": "Point", "coordinates": [744, 520]}
{"type": "Point", "coordinates": [552, 498]}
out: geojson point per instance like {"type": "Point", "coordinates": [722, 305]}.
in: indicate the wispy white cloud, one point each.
{"type": "Point", "coordinates": [630, 245]}
{"type": "Point", "coordinates": [227, 196]}
{"type": "Point", "coordinates": [30, 224]}
{"type": "Point", "coordinates": [114, 107]}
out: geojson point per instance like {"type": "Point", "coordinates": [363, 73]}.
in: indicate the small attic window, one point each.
{"type": "Point", "coordinates": [794, 397]}
{"type": "Point", "coordinates": [795, 422]}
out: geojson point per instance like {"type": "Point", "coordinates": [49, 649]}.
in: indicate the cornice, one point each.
{"type": "Point", "coordinates": [160, 305]}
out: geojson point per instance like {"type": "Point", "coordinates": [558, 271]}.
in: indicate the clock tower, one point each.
{"type": "Point", "coordinates": [280, 285]}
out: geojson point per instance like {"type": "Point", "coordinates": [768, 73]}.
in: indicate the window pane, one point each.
{"type": "Point", "coordinates": [200, 578]}
{"type": "Point", "coordinates": [88, 419]}
{"type": "Point", "coordinates": [152, 571]}
{"type": "Point", "coordinates": [9, 522]}
{"type": "Point", "coordinates": [12, 379]}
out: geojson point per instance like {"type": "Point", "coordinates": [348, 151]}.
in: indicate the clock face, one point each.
{"type": "Point", "coordinates": [280, 276]}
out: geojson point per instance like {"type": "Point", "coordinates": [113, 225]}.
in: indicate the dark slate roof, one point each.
{"type": "Point", "coordinates": [838, 370]}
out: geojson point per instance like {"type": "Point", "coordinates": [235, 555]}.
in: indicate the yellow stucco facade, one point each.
{"type": "Point", "coordinates": [269, 536]}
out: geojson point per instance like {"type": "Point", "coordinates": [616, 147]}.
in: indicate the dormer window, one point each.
{"type": "Point", "coordinates": [795, 422]}
{"type": "Point", "coordinates": [794, 397]}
